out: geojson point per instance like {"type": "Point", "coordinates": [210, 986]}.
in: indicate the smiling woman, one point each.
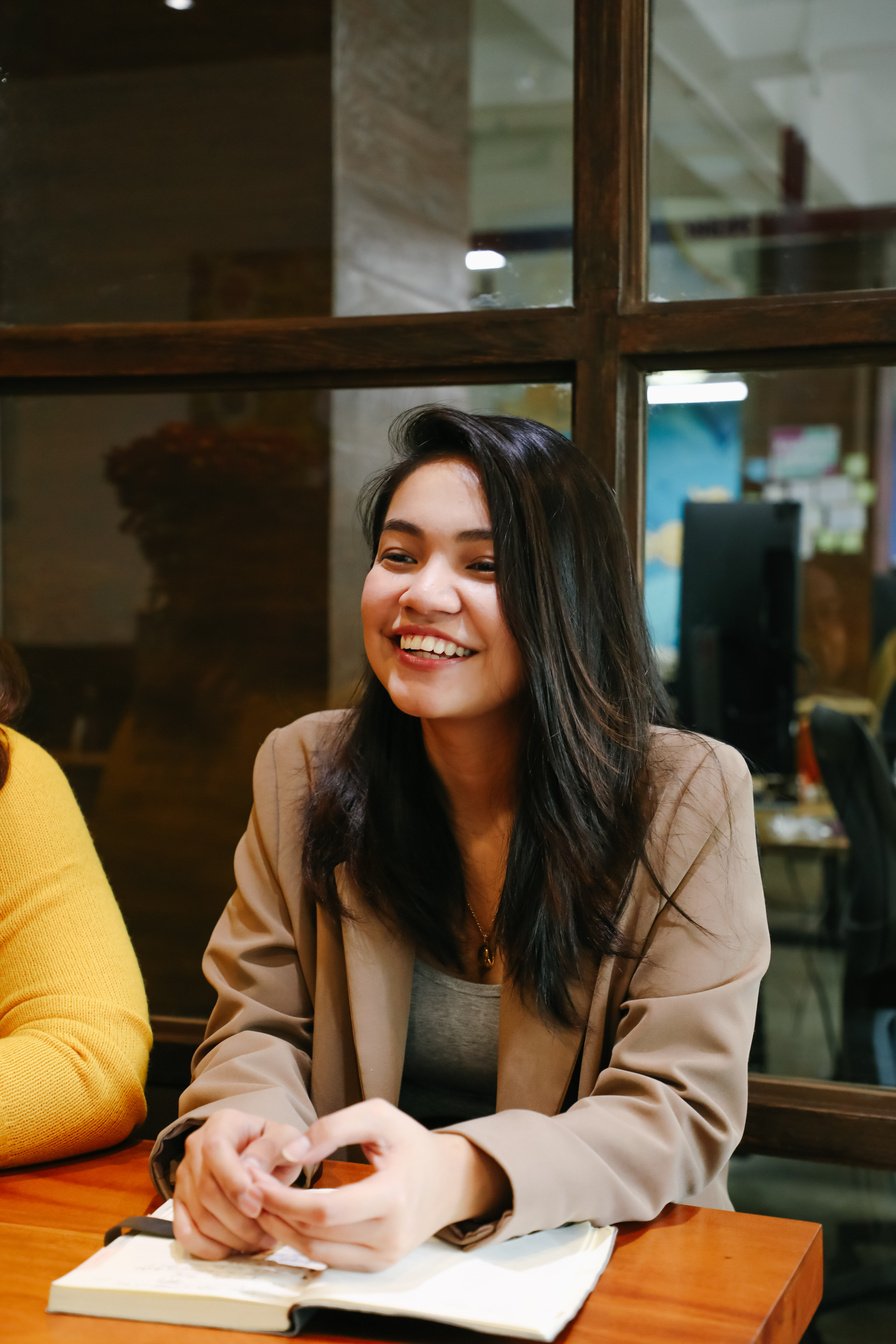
{"type": "Point", "coordinates": [434, 631]}
{"type": "Point", "coordinates": [496, 909]}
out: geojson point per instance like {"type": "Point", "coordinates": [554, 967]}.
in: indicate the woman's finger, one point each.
{"type": "Point", "coordinates": [362, 1202]}
{"type": "Point", "coordinates": [286, 1229]}
{"type": "Point", "coordinates": [376, 1126]}
{"type": "Point", "coordinates": [266, 1153]}
{"type": "Point", "coordinates": [345, 1255]}
{"type": "Point", "coordinates": [216, 1217]}
{"type": "Point", "coordinates": [337, 1254]}
{"type": "Point", "coordinates": [216, 1157]}
{"type": "Point", "coordinates": [197, 1242]}
{"type": "Point", "coordinates": [359, 1234]}
{"type": "Point", "coordinates": [205, 1224]}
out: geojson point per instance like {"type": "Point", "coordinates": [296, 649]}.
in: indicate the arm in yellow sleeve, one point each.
{"type": "Point", "coordinates": [74, 1032]}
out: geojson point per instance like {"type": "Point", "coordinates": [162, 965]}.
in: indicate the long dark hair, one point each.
{"type": "Point", "coordinates": [570, 598]}
{"type": "Point", "coordinates": [14, 691]}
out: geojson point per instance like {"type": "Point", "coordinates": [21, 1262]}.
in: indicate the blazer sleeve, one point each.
{"type": "Point", "coordinates": [256, 1055]}
{"type": "Point", "coordinates": [668, 1108]}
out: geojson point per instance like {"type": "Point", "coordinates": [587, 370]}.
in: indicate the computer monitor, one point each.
{"type": "Point", "coordinates": [739, 628]}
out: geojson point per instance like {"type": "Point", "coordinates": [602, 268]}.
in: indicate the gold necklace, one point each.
{"type": "Point", "coordinates": [486, 955]}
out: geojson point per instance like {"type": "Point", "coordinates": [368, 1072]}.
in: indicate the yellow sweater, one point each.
{"type": "Point", "coordinates": [74, 1034]}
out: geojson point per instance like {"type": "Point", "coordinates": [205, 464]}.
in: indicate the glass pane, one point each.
{"type": "Point", "coordinates": [521, 150]}
{"type": "Point", "coordinates": [281, 159]}
{"type": "Point", "coordinates": [772, 148]}
{"type": "Point", "coordinates": [769, 584]}
{"type": "Point", "coordinates": [857, 1210]}
{"type": "Point", "coordinates": [181, 573]}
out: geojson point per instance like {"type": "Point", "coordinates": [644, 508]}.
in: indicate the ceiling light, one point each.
{"type": "Point", "coordinates": [666, 394]}
{"type": "Point", "coordinates": [179, 4]}
{"type": "Point", "coordinates": [679, 376]}
{"type": "Point", "coordinates": [484, 259]}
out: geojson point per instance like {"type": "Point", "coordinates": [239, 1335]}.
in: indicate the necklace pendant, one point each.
{"type": "Point", "coordinates": [487, 957]}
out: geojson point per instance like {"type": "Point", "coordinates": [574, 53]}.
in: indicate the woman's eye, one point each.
{"type": "Point", "coordinates": [483, 566]}
{"type": "Point", "coordinates": [396, 557]}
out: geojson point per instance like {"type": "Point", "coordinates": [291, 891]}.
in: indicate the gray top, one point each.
{"type": "Point", "coordinates": [451, 1058]}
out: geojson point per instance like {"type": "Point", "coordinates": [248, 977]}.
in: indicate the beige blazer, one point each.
{"type": "Point", "coordinates": [312, 1016]}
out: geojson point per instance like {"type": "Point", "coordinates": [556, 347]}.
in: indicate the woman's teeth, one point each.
{"type": "Point", "coordinates": [432, 647]}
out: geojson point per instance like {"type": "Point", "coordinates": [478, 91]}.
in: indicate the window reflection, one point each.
{"type": "Point", "coordinates": [787, 493]}
{"type": "Point", "coordinates": [771, 155]}
{"type": "Point", "coordinates": [857, 1210]}
{"type": "Point", "coordinates": [282, 159]}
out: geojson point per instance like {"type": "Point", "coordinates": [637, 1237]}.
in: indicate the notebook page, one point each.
{"type": "Point", "coordinates": [530, 1286]}
{"type": "Point", "coordinates": [157, 1265]}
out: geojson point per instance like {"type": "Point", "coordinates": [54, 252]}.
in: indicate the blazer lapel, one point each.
{"type": "Point", "coordinates": [379, 966]}
{"type": "Point", "coordinates": [536, 1058]}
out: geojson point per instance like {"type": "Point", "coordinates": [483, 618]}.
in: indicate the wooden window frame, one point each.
{"type": "Point", "coordinates": [603, 344]}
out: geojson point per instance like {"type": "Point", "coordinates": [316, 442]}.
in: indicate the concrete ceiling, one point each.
{"type": "Point", "coordinates": [727, 77]}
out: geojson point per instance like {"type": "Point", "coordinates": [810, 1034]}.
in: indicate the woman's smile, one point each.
{"type": "Point", "coordinates": [434, 631]}
{"type": "Point", "coordinates": [430, 646]}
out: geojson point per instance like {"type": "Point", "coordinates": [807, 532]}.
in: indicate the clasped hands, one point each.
{"type": "Point", "coordinates": [234, 1192]}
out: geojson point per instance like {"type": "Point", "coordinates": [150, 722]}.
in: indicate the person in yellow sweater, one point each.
{"type": "Point", "coordinates": [74, 1030]}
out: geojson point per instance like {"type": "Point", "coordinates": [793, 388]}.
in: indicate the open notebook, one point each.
{"type": "Point", "coordinates": [529, 1287]}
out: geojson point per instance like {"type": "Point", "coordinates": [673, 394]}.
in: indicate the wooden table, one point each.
{"type": "Point", "coordinates": [695, 1275]}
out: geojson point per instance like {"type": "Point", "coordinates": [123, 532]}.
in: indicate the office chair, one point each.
{"type": "Point", "coordinates": [887, 729]}
{"type": "Point", "coordinates": [857, 777]}
{"type": "Point", "coordinates": [861, 788]}
{"type": "Point", "coordinates": [883, 607]}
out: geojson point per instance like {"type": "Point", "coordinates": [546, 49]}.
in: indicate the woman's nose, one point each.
{"type": "Point", "coordinates": [431, 588]}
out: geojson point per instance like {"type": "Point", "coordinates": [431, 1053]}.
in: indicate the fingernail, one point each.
{"type": "Point", "coordinates": [295, 1150]}
{"type": "Point", "coordinates": [248, 1204]}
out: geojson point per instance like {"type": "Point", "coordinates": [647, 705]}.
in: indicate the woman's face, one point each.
{"type": "Point", "coordinates": [434, 631]}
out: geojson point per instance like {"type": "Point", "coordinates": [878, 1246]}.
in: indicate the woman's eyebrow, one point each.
{"type": "Point", "coordinates": [469, 534]}
{"type": "Point", "coordinates": [400, 525]}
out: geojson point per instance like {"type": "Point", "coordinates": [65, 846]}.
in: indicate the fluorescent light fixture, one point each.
{"type": "Point", "coordinates": [484, 259]}
{"type": "Point", "coordinates": [679, 376]}
{"type": "Point", "coordinates": [179, 4]}
{"type": "Point", "coordinates": [667, 394]}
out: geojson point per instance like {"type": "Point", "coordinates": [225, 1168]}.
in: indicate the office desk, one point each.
{"type": "Point", "coordinates": [807, 831]}
{"type": "Point", "coordinates": [813, 827]}
{"type": "Point", "coordinates": [695, 1275]}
